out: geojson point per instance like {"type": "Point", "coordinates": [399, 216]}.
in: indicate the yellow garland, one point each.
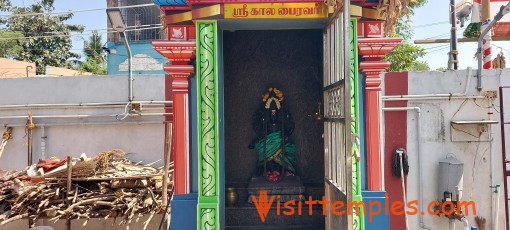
{"type": "Point", "coordinates": [276, 91]}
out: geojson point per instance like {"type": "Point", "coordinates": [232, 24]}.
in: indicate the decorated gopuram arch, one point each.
{"type": "Point", "coordinates": [352, 47]}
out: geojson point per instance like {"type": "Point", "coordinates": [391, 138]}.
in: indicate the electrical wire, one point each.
{"type": "Point", "coordinates": [76, 11]}
{"type": "Point", "coordinates": [473, 169]}
{"type": "Point", "coordinates": [500, 47]}
{"type": "Point", "coordinates": [123, 115]}
{"type": "Point", "coordinates": [110, 29]}
{"type": "Point", "coordinates": [74, 50]}
{"type": "Point", "coordinates": [67, 35]}
{"type": "Point", "coordinates": [442, 49]}
{"type": "Point", "coordinates": [441, 35]}
{"type": "Point", "coordinates": [437, 36]}
{"type": "Point", "coordinates": [431, 24]}
{"type": "Point", "coordinates": [434, 47]}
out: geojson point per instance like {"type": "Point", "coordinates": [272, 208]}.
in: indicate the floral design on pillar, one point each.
{"type": "Point", "coordinates": [208, 208]}
{"type": "Point", "coordinates": [179, 53]}
{"type": "Point", "coordinates": [372, 50]}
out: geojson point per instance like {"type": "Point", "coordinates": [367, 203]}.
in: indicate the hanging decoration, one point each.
{"type": "Point", "coordinates": [499, 62]}
{"type": "Point", "coordinates": [392, 10]}
{"type": "Point", "coordinates": [473, 29]}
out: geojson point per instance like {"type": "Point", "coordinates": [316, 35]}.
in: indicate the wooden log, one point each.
{"type": "Point", "coordinates": [69, 178]}
{"type": "Point", "coordinates": [68, 192]}
{"type": "Point", "coordinates": [89, 201]}
{"type": "Point", "coordinates": [14, 218]}
{"type": "Point", "coordinates": [129, 183]}
{"type": "Point", "coordinates": [168, 152]}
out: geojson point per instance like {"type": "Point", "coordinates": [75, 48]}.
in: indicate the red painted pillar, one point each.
{"type": "Point", "coordinates": [180, 88]}
{"type": "Point", "coordinates": [179, 51]}
{"type": "Point", "coordinates": [372, 50]}
{"type": "Point", "coordinates": [373, 123]}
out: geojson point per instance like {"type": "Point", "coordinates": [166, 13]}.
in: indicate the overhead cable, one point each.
{"type": "Point", "coordinates": [75, 11]}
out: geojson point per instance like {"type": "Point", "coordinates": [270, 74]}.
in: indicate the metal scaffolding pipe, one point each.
{"type": "Point", "coordinates": [502, 11]}
{"type": "Point", "coordinates": [437, 96]}
{"type": "Point", "coordinates": [82, 116]}
{"type": "Point", "coordinates": [88, 123]}
{"type": "Point", "coordinates": [430, 98]}
{"type": "Point", "coordinates": [420, 158]}
{"type": "Point", "coordinates": [79, 105]}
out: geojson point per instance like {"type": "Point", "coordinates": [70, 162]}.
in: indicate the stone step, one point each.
{"type": "Point", "coordinates": [247, 216]}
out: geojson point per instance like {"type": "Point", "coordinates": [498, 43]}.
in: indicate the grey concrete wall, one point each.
{"type": "Point", "coordinates": [143, 141]}
{"type": "Point", "coordinates": [436, 140]}
{"type": "Point", "coordinates": [96, 224]}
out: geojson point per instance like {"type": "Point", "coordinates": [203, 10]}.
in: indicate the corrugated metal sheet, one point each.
{"type": "Point", "coordinates": [169, 2]}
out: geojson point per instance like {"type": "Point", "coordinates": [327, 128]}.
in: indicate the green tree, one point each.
{"type": "Point", "coordinates": [405, 56]}
{"type": "Point", "coordinates": [421, 66]}
{"type": "Point", "coordinates": [95, 61]}
{"type": "Point", "coordinates": [5, 5]}
{"type": "Point", "coordinates": [441, 69]}
{"type": "Point", "coordinates": [9, 46]}
{"type": "Point", "coordinates": [47, 40]}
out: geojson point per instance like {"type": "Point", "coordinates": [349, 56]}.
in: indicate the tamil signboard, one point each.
{"type": "Point", "coordinates": [275, 11]}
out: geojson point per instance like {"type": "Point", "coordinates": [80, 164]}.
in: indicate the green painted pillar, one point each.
{"type": "Point", "coordinates": [208, 208]}
{"type": "Point", "coordinates": [355, 125]}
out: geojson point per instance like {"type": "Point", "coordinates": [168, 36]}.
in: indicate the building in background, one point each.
{"type": "Point", "coordinates": [17, 69]}
{"type": "Point", "coordinates": [143, 26]}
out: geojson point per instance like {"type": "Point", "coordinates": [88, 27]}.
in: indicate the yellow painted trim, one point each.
{"type": "Point", "coordinates": [275, 10]}
{"type": "Point", "coordinates": [180, 17]}
{"type": "Point", "coordinates": [208, 11]}
{"type": "Point", "coordinates": [356, 11]}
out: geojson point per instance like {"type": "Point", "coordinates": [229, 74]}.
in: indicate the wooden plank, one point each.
{"type": "Point", "coordinates": [168, 151]}
{"type": "Point", "coordinates": [68, 192]}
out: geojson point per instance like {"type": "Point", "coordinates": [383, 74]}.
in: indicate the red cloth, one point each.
{"type": "Point", "coordinates": [50, 164]}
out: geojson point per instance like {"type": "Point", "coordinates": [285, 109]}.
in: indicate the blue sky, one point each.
{"type": "Point", "coordinates": [435, 11]}
{"type": "Point", "coordinates": [93, 20]}
{"type": "Point", "coordinates": [438, 11]}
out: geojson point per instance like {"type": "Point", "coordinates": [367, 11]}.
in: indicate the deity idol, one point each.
{"type": "Point", "coordinates": [273, 125]}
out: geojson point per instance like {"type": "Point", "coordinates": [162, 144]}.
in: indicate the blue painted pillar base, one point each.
{"type": "Point", "coordinates": [184, 211]}
{"type": "Point", "coordinates": [379, 221]}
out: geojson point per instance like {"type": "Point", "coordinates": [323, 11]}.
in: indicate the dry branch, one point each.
{"type": "Point", "coordinates": [109, 185]}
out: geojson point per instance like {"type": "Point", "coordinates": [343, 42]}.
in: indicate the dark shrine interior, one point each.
{"type": "Point", "coordinates": [290, 60]}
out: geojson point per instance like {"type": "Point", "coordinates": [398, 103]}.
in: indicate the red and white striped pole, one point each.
{"type": "Point", "coordinates": [487, 49]}
{"type": "Point", "coordinates": [486, 43]}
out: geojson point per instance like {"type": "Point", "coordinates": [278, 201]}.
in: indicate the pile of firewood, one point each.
{"type": "Point", "coordinates": [108, 185]}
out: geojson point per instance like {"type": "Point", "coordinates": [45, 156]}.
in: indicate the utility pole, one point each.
{"type": "Point", "coordinates": [486, 10]}
{"type": "Point", "coordinates": [453, 41]}
{"type": "Point", "coordinates": [486, 55]}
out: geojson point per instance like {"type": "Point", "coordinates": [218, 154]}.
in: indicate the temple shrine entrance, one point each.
{"type": "Point", "coordinates": [289, 63]}
{"type": "Point", "coordinates": [243, 66]}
